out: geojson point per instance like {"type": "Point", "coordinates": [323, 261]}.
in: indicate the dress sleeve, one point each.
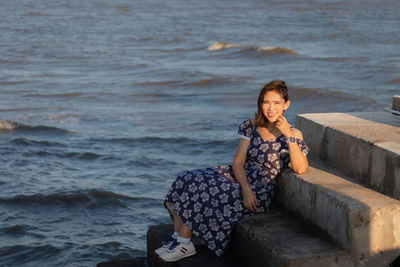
{"type": "Point", "coordinates": [245, 129]}
{"type": "Point", "coordinates": [303, 147]}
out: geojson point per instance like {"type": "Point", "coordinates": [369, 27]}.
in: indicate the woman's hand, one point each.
{"type": "Point", "coordinates": [249, 199]}
{"type": "Point", "coordinates": [297, 158]}
{"type": "Point", "coordinates": [284, 126]}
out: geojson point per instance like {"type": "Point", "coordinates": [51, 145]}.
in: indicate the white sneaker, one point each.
{"type": "Point", "coordinates": [165, 246]}
{"type": "Point", "coordinates": [178, 251]}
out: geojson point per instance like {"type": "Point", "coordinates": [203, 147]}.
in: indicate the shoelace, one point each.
{"type": "Point", "coordinates": [168, 242]}
{"type": "Point", "coordinates": [175, 243]}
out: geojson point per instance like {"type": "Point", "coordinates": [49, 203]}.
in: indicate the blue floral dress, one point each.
{"type": "Point", "coordinates": [209, 201]}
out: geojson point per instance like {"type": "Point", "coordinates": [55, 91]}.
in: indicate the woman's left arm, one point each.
{"type": "Point", "coordinates": [297, 158]}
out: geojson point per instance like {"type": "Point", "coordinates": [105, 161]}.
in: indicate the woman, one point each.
{"type": "Point", "coordinates": [209, 202]}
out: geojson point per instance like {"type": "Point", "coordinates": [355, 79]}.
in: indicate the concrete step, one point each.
{"type": "Point", "coordinates": [277, 239]}
{"type": "Point", "coordinates": [204, 257]}
{"type": "Point", "coordinates": [359, 219]}
{"type": "Point", "coordinates": [364, 144]}
{"type": "Point", "coordinates": [271, 239]}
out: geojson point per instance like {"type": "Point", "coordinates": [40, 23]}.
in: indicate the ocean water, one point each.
{"type": "Point", "coordinates": [102, 103]}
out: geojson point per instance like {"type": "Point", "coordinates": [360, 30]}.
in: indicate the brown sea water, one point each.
{"type": "Point", "coordinates": [102, 103]}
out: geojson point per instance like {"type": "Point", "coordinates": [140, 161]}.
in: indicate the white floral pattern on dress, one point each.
{"type": "Point", "coordinates": [209, 200]}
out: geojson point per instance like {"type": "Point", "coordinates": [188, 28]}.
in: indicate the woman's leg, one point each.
{"type": "Point", "coordinates": [181, 248]}
{"type": "Point", "coordinates": [177, 226]}
{"type": "Point", "coordinates": [180, 227]}
{"type": "Point", "coordinates": [177, 221]}
{"type": "Point", "coordinates": [185, 232]}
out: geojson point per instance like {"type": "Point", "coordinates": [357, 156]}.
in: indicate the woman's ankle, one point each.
{"type": "Point", "coordinates": [175, 235]}
{"type": "Point", "coordinates": [184, 240]}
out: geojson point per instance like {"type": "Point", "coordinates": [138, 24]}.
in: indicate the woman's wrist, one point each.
{"type": "Point", "coordinates": [246, 188]}
{"type": "Point", "coordinates": [288, 134]}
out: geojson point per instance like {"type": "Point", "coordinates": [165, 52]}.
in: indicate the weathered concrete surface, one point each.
{"type": "Point", "coordinates": [277, 239]}
{"type": "Point", "coordinates": [357, 218]}
{"type": "Point", "coordinates": [396, 103]}
{"type": "Point", "coordinates": [204, 256]}
{"type": "Point", "coordinates": [366, 145]}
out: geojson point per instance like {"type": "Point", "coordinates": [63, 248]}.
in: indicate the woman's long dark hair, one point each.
{"type": "Point", "coordinates": [277, 86]}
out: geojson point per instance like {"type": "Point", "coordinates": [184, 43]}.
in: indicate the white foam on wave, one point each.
{"type": "Point", "coordinates": [222, 45]}
{"type": "Point", "coordinates": [6, 125]}
{"type": "Point", "coordinates": [276, 49]}
{"type": "Point", "coordinates": [217, 46]}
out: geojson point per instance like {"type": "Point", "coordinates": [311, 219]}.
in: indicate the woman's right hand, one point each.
{"type": "Point", "coordinates": [249, 199]}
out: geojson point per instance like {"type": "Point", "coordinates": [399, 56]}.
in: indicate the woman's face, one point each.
{"type": "Point", "coordinates": [274, 105]}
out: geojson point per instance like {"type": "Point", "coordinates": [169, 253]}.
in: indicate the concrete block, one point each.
{"type": "Point", "coordinates": [359, 219]}
{"type": "Point", "coordinates": [314, 135]}
{"type": "Point", "coordinates": [277, 239]}
{"type": "Point", "coordinates": [385, 164]}
{"type": "Point", "coordinates": [366, 145]}
{"type": "Point", "coordinates": [396, 103]}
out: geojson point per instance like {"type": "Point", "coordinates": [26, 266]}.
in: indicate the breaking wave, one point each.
{"type": "Point", "coordinates": [6, 125]}
{"type": "Point", "coordinates": [93, 198]}
{"type": "Point", "coordinates": [217, 46]}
